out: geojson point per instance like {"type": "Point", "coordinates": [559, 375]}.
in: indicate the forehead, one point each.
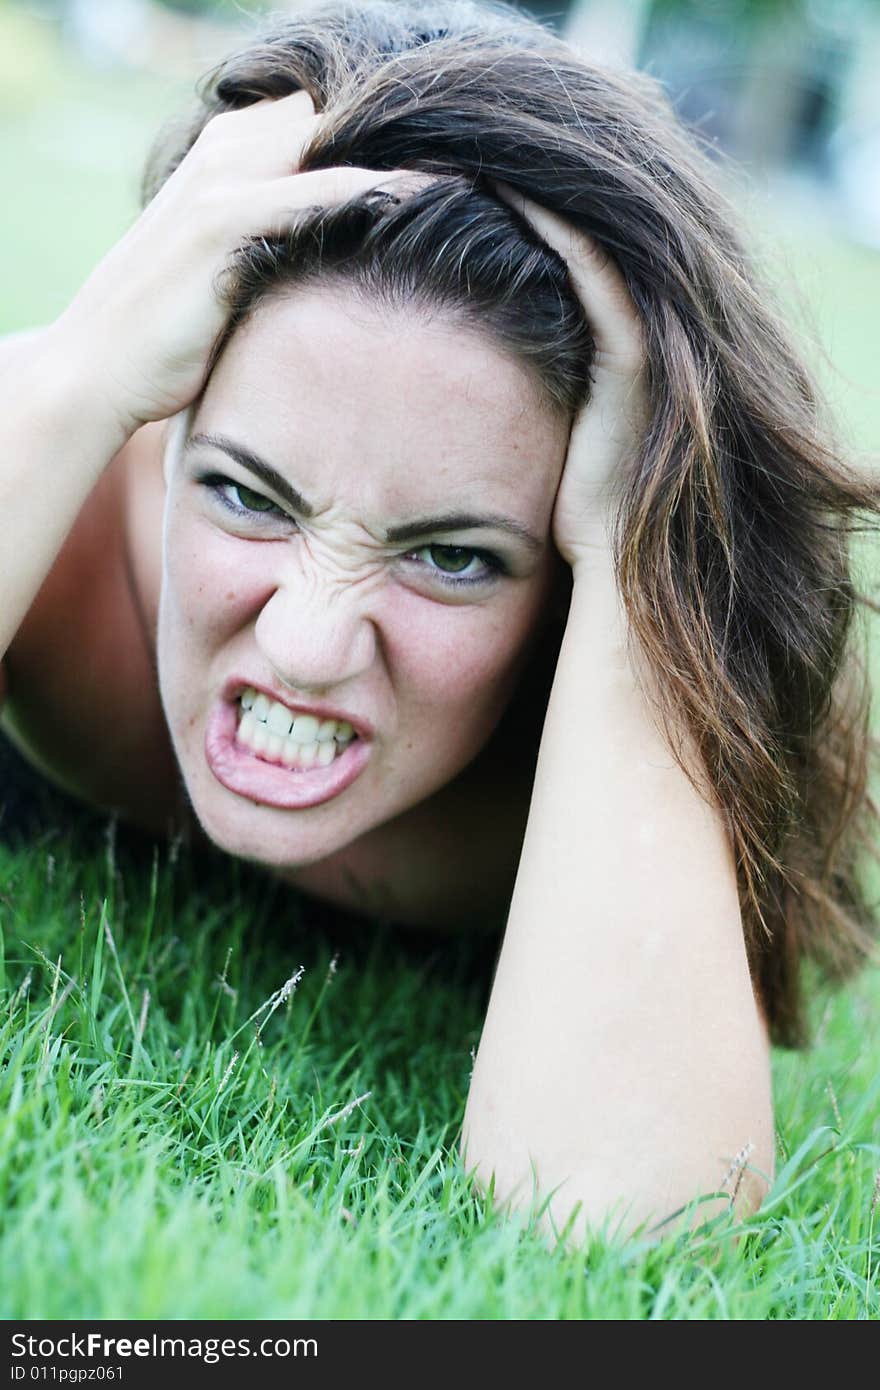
{"type": "Point", "coordinates": [396, 407]}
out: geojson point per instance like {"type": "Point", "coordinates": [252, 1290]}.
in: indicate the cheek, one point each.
{"type": "Point", "coordinates": [458, 657]}
{"type": "Point", "coordinates": [211, 582]}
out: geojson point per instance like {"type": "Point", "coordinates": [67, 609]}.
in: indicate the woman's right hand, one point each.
{"type": "Point", "coordinates": [141, 329]}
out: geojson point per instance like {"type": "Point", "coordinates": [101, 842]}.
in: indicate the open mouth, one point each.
{"type": "Point", "coordinates": [269, 754]}
{"type": "Point", "coordinates": [293, 740]}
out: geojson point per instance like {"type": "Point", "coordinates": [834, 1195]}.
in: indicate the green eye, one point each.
{"type": "Point", "coordinates": [458, 564]}
{"type": "Point", "coordinates": [241, 501]}
{"type": "Point", "coordinates": [452, 559]}
{"type": "Point", "coordinates": [253, 501]}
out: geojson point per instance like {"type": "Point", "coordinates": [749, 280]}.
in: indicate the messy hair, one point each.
{"type": "Point", "coordinates": [732, 524]}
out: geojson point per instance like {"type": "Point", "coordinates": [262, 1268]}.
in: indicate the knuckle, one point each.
{"type": "Point", "coordinates": [217, 128]}
{"type": "Point", "coordinates": [220, 136]}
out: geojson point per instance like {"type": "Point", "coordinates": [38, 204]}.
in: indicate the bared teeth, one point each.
{"type": "Point", "coordinates": [280, 735]}
{"type": "Point", "coordinates": [305, 729]}
{"type": "Point", "coordinates": [287, 723]}
{"type": "Point", "coordinates": [279, 720]}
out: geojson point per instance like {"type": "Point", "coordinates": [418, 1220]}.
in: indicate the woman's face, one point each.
{"type": "Point", "coordinates": [357, 528]}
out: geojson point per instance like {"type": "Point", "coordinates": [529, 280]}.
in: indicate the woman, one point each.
{"type": "Point", "coordinates": [423, 483]}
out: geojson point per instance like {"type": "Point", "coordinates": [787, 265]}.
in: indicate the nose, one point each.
{"type": "Point", "coordinates": [316, 641]}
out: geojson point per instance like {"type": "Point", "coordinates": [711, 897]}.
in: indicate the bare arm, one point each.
{"type": "Point", "coordinates": [38, 429]}
{"type": "Point", "coordinates": [623, 1059]}
{"type": "Point", "coordinates": [54, 451]}
{"type": "Point", "coordinates": [623, 1053]}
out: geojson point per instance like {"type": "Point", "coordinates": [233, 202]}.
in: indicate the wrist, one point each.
{"type": "Point", "coordinates": [590, 551]}
{"type": "Point", "coordinates": [597, 620]}
{"type": "Point", "coordinates": [592, 567]}
{"type": "Point", "coordinates": [73, 392]}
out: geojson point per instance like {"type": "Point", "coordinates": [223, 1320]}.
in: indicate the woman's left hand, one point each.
{"type": "Point", "coordinates": [609, 430]}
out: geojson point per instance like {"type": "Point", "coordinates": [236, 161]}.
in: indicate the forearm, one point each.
{"type": "Point", "coordinates": [56, 443]}
{"type": "Point", "coordinates": [622, 1054]}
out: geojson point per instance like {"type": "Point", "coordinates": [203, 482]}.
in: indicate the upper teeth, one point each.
{"type": "Point", "coordinates": [286, 723]}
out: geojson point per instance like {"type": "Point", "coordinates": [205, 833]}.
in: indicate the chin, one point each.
{"type": "Point", "coordinates": [276, 839]}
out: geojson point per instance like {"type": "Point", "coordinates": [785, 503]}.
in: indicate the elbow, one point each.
{"type": "Point", "coordinates": [647, 1194]}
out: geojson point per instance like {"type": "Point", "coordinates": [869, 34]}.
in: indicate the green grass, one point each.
{"type": "Point", "coordinates": [178, 1141]}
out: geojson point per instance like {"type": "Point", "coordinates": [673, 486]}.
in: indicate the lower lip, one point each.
{"type": "Point", "coordinates": [243, 772]}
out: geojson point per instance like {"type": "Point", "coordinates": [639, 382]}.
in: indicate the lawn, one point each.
{"type": "Point", "coordinates": [215, 1102]}
{"type": "Point", "coordinates": [192, 1128]}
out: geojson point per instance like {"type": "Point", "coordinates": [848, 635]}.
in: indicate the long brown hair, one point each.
{"type": "Point", "coordinates": [732, 541]}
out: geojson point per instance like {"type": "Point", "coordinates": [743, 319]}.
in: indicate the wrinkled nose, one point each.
{"type": "Point", "coordinates": [316, 641]}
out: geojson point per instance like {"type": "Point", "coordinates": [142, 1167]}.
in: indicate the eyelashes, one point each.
{"type": "Point", "coordinates": [490, 563]}
{"type": "Point", "coordinates": [221, 488]}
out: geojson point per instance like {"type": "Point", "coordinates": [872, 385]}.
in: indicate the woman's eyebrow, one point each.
{"type": "Point", "coordinates": [463, 521]}
{"type": "Point", "coordinates": [409, 531]}
{"type": "Point", "coordinates": [254, 464]}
